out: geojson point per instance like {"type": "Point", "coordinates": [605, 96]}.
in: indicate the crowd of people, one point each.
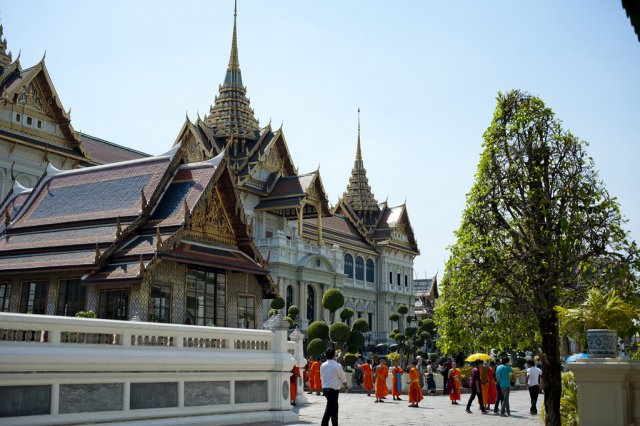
{"type": "Point", "coordinates": [489, 382]}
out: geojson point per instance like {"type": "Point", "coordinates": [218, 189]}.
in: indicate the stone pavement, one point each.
{"type": "Point", "coordinates": [359, 409]}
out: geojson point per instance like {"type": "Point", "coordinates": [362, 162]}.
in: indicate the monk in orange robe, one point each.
{"type": "Point", "coordinates": [382, 371]}
{"type": "Point", "coordinates": [293, 384]}
{"type": "Point", "coordinates": [396, 381]}
{"type": "Point", "coordinates": [367, 377]}
{"type": "Point", "coordinates": [415, 390]}
{"type": "Point", "coordinates": [315, 384]}
{"type": "Point", "coordinates": [493, 392]}
{"type": "Point", "coordinates": [453, 386]}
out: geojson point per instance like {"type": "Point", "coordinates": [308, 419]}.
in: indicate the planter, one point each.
{"type": "Point", "coordinates": [602, 343]}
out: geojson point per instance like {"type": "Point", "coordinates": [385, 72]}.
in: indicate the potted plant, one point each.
{"type": "Point", "coordinates": [601, 316]}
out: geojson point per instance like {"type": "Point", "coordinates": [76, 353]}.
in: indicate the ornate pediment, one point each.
{"type": "Point", "coordinates": [209, 221]}
{"type": "Point", "coordinates": [193, 151]}
{"type": "Point", "coordinates": [31, 96]}
{"type": "Point", "coordinates": [271, 162]}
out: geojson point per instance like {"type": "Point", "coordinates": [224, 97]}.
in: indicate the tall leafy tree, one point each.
{"type": "Point", "coordinates": [538, 229]}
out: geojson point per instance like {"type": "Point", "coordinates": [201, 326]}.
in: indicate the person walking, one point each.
{"type": "Point", "coordinates": [476, 387]}
{"type": "Point", "coordinates": [293, 384]}
{"type": "Point", "coordinates": [357, 375]}
{"type": "Point", "coordinates": [333, 378]}
{"type": "Point", "coordinates": [431, 384]}
{"type": "Point", "coordinates": [453, 383]}
{"type": "Point", "coordinates": [498, 391]}
{"type": "Point", "coordinates": [415, 390]}
{"type": "Point", "coordinates": [503, 375]}
{"type": "Point", "coordinates": [396, 380]}
{"type": "Point", "coordinates": [367, 377]}
{"type": "Point", "coordinates": [444, 370]}
{"type": "Point", "coordinates": [381, 373]}
{"type": "Point", "coordinates": [315, 383]}
{"type": "Point", "coordinates": [533, 383]}
{"type": "Point", "coordinates": [492, 389]}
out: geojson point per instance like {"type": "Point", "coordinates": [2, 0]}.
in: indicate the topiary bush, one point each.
{"type": "Point", "coordinates": [350, 359]}
{"type": "Point", "coordinates": [403, 309]}
{"type": "Point", "coordinates": [393, 316]}
{"type": "Point", "coordinates": [318, 330]}
{"type": "Point", "coordinates": [277, 303]}
{"type": "Point", "coordinates": [272, 312]}
{"type": "Point", "coordinates": [356, 341]}
{"type": "Point", "coordinates": [316, 347]}
{"type": "Point", "coordinates": [339, 332]}
{"type": "Point", "coordinates": [333, 300]}
{"type": "Point", "coordinates": [85, 314]}
{"type": "Point", "coordinates": [293, 311]}
{"type": "Point", "coordinates": [360, 325]}
{"type": "Point", "coordinates": [346, 314]}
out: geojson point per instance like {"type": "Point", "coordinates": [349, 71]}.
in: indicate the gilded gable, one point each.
{"type": "Point", "coordinates": [209, 222]}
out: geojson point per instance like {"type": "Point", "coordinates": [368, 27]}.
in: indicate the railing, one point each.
{"type": "Point", "coordinates": [60, 370]}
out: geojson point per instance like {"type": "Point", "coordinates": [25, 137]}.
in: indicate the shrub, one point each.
{"type": "Point", "coordinates": [316, 347]}
{"type": "Point", "coordinates": [318, 330]}
{"type": "Point", "coordinates": [272, 312]}
{"type": "Point", "coordinates": [85, 314]}
{"type": "Point", "coordinates": [403, 309]}
{"type": "Point", "coordinates": [350, 359]}
{"type": "Point", "coordinates": [333, 300]}
{"type": "Point", "coordinates": [293, 311]}
{"type": "Point", "coordinates": [356, 340]}
{"type": "Point", "coordinates": [277, 303]}
{"type": "Point", "coordinates": [339, 332]}
{"type": "Point", "coordinates": [346, 314]}
{"type": "Point", "coordinates": [568, 401]}
{"type": "Point", "coordinates": [393, 356]}
{"type": "Point", "coordinates": [393, 316]}
{"type": "Point", "coordinates": [360, 325]}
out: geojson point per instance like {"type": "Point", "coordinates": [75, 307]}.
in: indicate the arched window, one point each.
{"type": "Point", "coordinates": [359, 269]}
{"type": "Point", "coordinates": [289, 297]}
{"type": "Point", "coordinates": [390, 277]}
{"type": "Point", "coordinates": [348, 265]}
{"type": "Point", "coordinates": [311, 303]}
{"type": "Point", "coordinates": [370, 270]}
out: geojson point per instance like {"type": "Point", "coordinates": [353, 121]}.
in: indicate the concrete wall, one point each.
{"type": "Point", "coordinates": [60, 370]}
{"type": "Point", "coordinates": [608, 391]}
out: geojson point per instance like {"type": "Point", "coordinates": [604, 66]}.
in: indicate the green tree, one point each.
{"type": "Point", "coordinates": [333, 300]}
{"type": "Point", "coordinates": [538, 228]}
{"type": "Point", "coordinates": [346, 314]}
{"type": "Point", "coordinates": [277, 303]}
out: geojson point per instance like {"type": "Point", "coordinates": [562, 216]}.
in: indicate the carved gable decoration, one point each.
{"type": "Point", "coordinates": [272, 161]}
{"type": "Point", "coordinates": [32, 96]}
{"type": "Point", "coordinates": [193, 151]}
{"type": "Point", "coordinates": [210, 221]}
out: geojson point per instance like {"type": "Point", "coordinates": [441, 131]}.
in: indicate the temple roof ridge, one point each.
{"type": "Point", "coordinates": [5, 57]}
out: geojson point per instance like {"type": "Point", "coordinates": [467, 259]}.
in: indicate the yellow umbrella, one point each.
{"type": "Point", "coordinates": [483, 357]}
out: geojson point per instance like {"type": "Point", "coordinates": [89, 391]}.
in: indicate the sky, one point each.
{"type": "Point", "coordinates": [425, 75]}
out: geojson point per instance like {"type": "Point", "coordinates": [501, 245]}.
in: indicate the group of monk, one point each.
{"type": "Point", "coordinates": [379, 374]}
{"type": "Point", "coordinates": [487, 384]}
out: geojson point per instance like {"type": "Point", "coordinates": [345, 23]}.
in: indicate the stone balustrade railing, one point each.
{"type": "Point", "coordinates": [60, 370]}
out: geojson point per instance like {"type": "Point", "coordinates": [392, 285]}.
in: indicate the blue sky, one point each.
{"type": "Point", "coordinates": [425, 75]}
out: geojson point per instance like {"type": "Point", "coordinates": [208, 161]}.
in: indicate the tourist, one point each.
{"type": "Point", "coordinates": [476, 388]}
{"type": "Point", "coordinates": [492, 392]}
{"type": "Point", "coordinates": [415, 390]}
{"type": "Point", "coordinates": [381, 373]}
{"type": "Point", "coordinates": [367, 377]}
{"type": "Point", "coordinates": [444, 370]}
{"type": "Point", "coordinates": [420, 368]}
{"type": "Point", "coordinates": [533, 383]}
{"type": "Point", "coordinates": [453, 383]}
{"type": "Point", "coordinates": [357, 375]}
{"type": "Point", "coordinates": [333, 378]}
{"type": "Point", "coordinates": [293, 384]}
{"type": "Point", "coordinates": [431, 384]}
{"type": "Point", "coordinates": [484, 384]}
{"type": "Point", "coordinates": [503, 375]}
{"type": "Point", "coordinates": [498, 391]}
{"type": "Point", "coordinates": [315, 382]}
{"type": "Point", "coordinates": [396, 380]}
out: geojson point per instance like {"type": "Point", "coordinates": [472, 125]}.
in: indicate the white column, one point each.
{"type": "Point", "coordinates": [301, 361]}
{"type": "Point", "coordinates": [284, 363]}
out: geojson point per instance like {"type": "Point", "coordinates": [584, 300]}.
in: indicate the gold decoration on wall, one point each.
{"type": "Point", "coordinates": [193, 151]}
{"type": "Point", "coordinates": [210, 222]}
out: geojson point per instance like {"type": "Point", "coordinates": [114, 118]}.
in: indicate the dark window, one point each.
{"type": "Point", "coordinates": [34, 298]}
{"type": "Point", "coordinates": [160, 304]}
{"type": "Point", "coordinates": [406, 281]}
{"type": "Point", "coordinates": [370, 271]}
{"type": "Point", "coordinates": [246, 312]}
{"type": "Point", "coordinates": [18, 117]}
{"type": "Point", "coordinates": [390, 277]}
{"type": "Point", "coordinates": [289, 297]}
{"type": "Point", "coordinates": [398, 279]}
{"type": "Point", "coordinates": [29, 121]}
{"type": "Point", "coordinates": [206, 297]}
{"type": "Point", "coordinates": [359, 314]}
{"type": "Point", "coordinates": [5, 297]}
{"type": "Point", "coordinates": [39, 124]}
{"type": "Point", "coordinates": [370, 321]}
{"type": "Point", "coordinates": [311, 303]}
{"type": "Point", "coordinates": [359, 269]}
{"type": "Point", "coordinates": [348, 265]}
{"type": "Point", "coordinates": [71, 297]}
{"type": "Point", "coordinates": [114, 304]}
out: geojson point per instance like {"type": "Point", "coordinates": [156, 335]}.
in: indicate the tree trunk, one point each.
{"type": "Point", "coordinates": [551, 371]}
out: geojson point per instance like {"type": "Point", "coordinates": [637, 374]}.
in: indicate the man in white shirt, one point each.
{"type": "Point", "coordinates": [333, 378]}
{"type": "Point", "coordinates": [533, 382]}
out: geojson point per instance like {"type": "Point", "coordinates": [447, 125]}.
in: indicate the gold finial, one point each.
{"type": "Point", "coordinates": [234, 63]}
{"type": "Point", "coordinates": [159, 237]}
{"type": "Point", "coordinates": [358, 153]}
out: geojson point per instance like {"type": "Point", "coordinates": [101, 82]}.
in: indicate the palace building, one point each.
{"type": "Point", "coordinates": [228, 205]}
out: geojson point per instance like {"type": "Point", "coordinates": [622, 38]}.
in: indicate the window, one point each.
{"type": "Point", "coordinates": [390, 277]}
{"type": "Point", "coordinates": [34, 298]}
{"type": "Point", "coordinates": [5, 297]}
{"type": "Point", "coordinates": [311, 303]}
{"type": "Point", "coordinates": [160, 309]}
{"type": "Point", "coordinates": [370, 270]}
{"type": "Point", "coordinates": [398, 279]}
{"type": "Point", "coordinates": [406, 281]}
{"type": "Point", "coordinates": [359, 314]}
{"type": "Point", "coordinates": [29, 121]}
{"type": "Point", "coordinates": [348, 265]}
{"type": "Point", "coordinates": [71, 297]}
{"type": "Point", "coordinates": [39, 124]}
{"type": "Point", "coordinates": [370, 315]}
{"type": "Point", "coordinates": [246, 312]}
{"type": "Point", "coordinates": [206, 297]}
{"type": "Point", "coordinates": [18, 118]}
{"type": "Point", "coordinates": [359, 269]}
{"type": "Point", "coordinates": [349, 321]}
{"type": "Point", "coordinates": [289, 297]}
{"type": "Point", "coordinates": [114, 304]}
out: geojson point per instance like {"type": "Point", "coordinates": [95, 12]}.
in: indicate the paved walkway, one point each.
{"type": "Point", "coordinates": [358, 409]}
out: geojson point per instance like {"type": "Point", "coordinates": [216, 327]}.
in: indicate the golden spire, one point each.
{"type": "Point", "coordinates": [5, 58]}
{"type": "Point", "coordinates": [358, 153]}
{"type": "Point", "coordinates": [234, 63]}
